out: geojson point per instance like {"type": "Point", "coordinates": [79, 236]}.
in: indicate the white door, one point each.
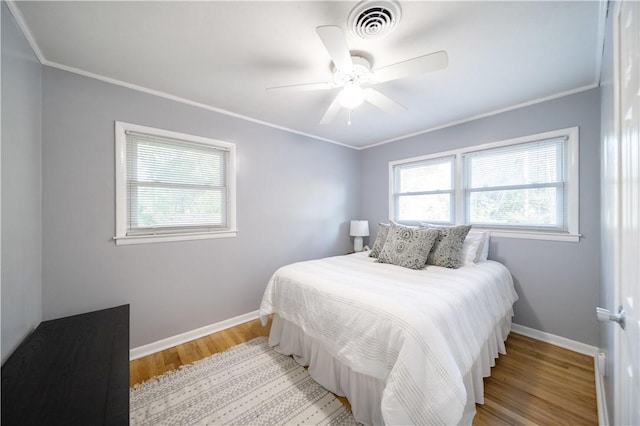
{"type": "Point", "coordinates": [627, 340]}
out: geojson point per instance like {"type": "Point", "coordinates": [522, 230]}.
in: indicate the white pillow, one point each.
{"type": "Point", "coordinates": [475, 247]}
{"type": "Point", "coordinates": [472, 246]}
{"type": "Point", "coordinates": [483, 250]}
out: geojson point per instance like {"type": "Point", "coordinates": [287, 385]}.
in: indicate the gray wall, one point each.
{"type": "Point", "coordinates": [610, 225]}
{"type": "Point", "coordinates": [294, 201]}
{"type": "Point", "coordinates": [558, 282]}
{"type": "Point", "coordinates": [21, 187]}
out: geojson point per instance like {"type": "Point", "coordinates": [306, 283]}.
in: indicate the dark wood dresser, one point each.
{"type": "Point", "coordinates": [70, 371]}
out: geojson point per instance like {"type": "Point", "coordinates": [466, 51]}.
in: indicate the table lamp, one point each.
{"type": "Point", "coordinates": [359, 229]}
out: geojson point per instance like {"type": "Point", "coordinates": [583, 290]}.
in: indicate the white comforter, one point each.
{"type": "Point", "coordinates": [418, 331]}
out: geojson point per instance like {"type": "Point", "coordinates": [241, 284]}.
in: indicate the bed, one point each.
{"type": "Point", "coordinates": [405, 346]}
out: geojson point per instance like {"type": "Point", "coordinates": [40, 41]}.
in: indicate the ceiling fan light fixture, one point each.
{"type": "Point", "coordinates": [351, 96]}
{"type": "Point", "coordinates": [351, 72]}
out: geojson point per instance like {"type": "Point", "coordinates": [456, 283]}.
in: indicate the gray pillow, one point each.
{"type": "Point", "coordinates": [407, 246]}
{"type": "Point", "coordinates": [383, 231]}
{"type": "Point", "coordinates": [447, 249]}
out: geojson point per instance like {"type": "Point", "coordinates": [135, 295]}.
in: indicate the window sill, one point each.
{"type": "Point", "coordinates": [149, 239]}
{"type": "Point", "coordinates": [533, 235]}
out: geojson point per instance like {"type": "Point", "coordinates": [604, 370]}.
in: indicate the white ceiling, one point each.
{"type": "Point", "coordinates": [224, 54]}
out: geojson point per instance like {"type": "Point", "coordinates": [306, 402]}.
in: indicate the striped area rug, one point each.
{"type": "Point", "coordinates": [249, 384]}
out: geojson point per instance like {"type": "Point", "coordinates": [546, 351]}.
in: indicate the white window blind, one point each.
{"type": "Point", "coordinates": [424, 190]}
{"type": "Point", "coordinates": [521, 185]}
{"type": "Point", "coordinates": [174, 184]}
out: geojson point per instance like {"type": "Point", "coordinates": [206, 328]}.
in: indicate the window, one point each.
{"type": "Point", "coordinates": [171, 186]}
{"type": "Point", "coordinates": [424, 189]}
{"type": "Point", "coordinates": [525, 187]}
{"type": "Point", "coordinates": [518, 185]}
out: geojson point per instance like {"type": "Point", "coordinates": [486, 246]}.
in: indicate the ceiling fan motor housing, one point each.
{"type": "Point", "coordinates": [373, 19]}
{"type": "Point", "coordinates": [360, 73]}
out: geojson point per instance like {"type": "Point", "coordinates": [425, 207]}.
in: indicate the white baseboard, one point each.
{"type": "Point", "coordinates": [170, 342]}
{"type": "Point", "coordinates": [603, 413]}
{"type": "Point", "coordinates": [563, 342]}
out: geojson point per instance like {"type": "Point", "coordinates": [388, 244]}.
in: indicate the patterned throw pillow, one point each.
{"type": "Point", "coordinates": [383, 231]}
{"type": "Point", "coordinates": [447, 249]}
{"type": "Point", "coordinates": [408, 247]}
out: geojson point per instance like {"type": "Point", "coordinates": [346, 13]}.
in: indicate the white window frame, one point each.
{"type": "Point", "coordinates": [452, 203]}
{"type": "Point", "coordinates": [572, 188]}
{"type": "Point", "coordinates": [121, 237]}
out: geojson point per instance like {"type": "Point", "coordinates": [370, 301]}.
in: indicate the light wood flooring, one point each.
{"type": "Point", "coordinates": [535, 383]}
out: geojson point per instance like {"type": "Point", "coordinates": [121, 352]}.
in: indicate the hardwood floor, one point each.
{"type": "Point", "coordinates": [144, 368]}
{"type": "Point", "coordinates": [539, 383]}
{"type": "Point", "coordinates": [535, 383]}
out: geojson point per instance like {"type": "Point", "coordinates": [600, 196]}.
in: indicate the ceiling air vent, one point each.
{"type": "Point", "coordinates": [374, 18]}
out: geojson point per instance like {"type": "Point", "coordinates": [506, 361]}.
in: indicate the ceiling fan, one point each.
{"type": "Point", "coordinates": [351, 73]}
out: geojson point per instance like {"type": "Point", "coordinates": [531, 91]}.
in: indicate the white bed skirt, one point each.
{"type": "Point", "coordinates": [365, 392]}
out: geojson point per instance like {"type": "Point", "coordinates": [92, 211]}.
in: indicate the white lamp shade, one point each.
{"type": "Point", "coordinates": [359, 228]}
{"type": "Point", "coordinates": [351, 96]}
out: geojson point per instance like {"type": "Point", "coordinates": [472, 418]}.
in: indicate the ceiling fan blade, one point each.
{"type": "Point", "coordinates": [383, 102]}
{"type": "Point", "coordinates": [333, 39]}
{"type": "Point", "coordinates": [301, 87]}
{"type": "Point", "coordinates": [420, 65]}
{"type": "Point", "coordinates": [332, 111]}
